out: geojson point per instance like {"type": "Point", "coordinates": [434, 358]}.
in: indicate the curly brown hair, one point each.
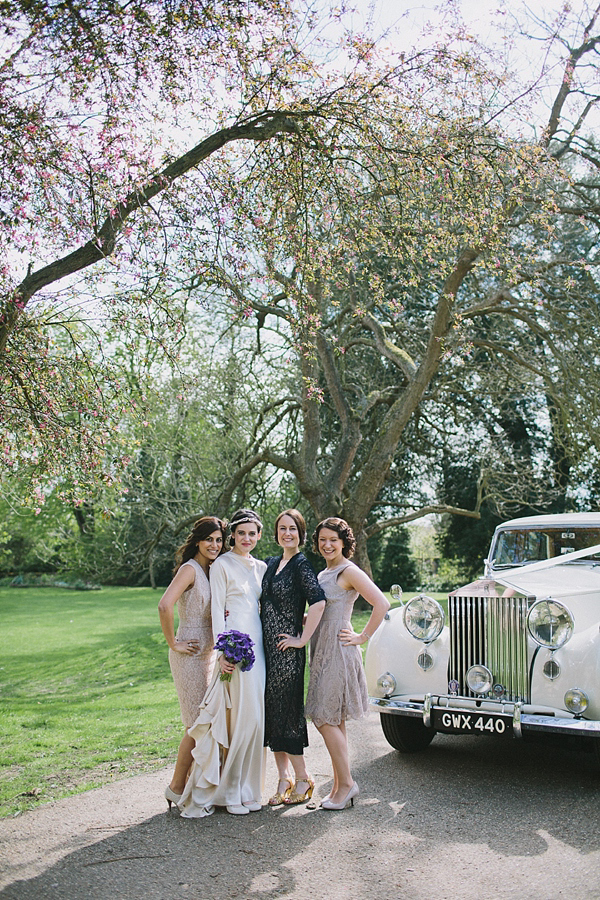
{"type": "Point", "coordinates": [298, 519]}
{"type": "Point", "coordinates": [343, 531]}
{"type": "Point", "coordinates": [201, 529]}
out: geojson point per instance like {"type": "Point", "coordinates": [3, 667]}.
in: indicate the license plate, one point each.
{"type": "Point", "coordinates": [458, 721]}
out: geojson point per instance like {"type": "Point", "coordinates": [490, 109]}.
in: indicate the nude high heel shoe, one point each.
{"type": "Point", "coordinates": [171, 797]}
{"type": "Point", "coordinates": [352, 793]}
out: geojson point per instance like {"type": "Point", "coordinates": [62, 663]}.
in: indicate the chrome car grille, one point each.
{"type": "Point", "coordinates": [490, 631]}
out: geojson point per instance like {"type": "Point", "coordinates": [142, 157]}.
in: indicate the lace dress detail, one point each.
{"type": "Point", "coordinates": [284, 599]}
{"type": "Point", "coordinates": [192, 674]}
{"type": "Point", "coordinates": [337, 689]}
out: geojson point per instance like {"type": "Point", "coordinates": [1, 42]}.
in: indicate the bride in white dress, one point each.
{"type": "Point", "coordinates": [229, 756]}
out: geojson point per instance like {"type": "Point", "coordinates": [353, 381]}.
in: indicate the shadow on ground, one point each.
{"type": "Point", "coordinates": [466, 809]}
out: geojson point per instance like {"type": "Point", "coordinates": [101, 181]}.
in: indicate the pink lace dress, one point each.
{"type": "Point", "coordinates": [337, 689]}
{"type": "Point", "coordinates": [192, 674]}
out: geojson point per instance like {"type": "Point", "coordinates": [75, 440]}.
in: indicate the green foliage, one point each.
{"type": "Point", "coordinates": [158, 82]}
{"type": "Point", "coordinates": [30, 580]}
{"type": "Point", "coordinates": [391, 559]}
{"type": "Point", "coordinates": [449, 575]}
{"type": "Point", "coordinates": [460, 538]}
{"type": "Point", "coordinates": [31, 538]}
{"type": "Point", "coordinates": [416, 280]}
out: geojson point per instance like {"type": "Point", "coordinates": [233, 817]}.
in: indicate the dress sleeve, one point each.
{"type": "Point", "coordinates": [218, 597]}
{"type": "Point", "coordinates": [309, 586]}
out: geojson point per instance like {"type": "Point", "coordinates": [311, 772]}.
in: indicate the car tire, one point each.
{"type": "Point", "coordinates": [408, 735]}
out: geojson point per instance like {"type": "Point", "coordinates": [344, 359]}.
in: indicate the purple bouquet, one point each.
{"type": "Point", "coordinates": [237, 649]}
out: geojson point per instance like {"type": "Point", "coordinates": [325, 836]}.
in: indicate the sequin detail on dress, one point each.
{"type": "Point", "coordinates": [192, 674]}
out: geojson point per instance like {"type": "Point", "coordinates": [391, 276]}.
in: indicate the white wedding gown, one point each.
{"type": "Point", "coordinates": [228, 767]}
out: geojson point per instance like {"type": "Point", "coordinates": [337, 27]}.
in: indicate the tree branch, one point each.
{"type": "Point", "coordinates": [569, 71]}
{"type": "Point", "coordinates": [260, 128]}
{"type": "Point", "coordinates": [372, 530]}
{"type": "Point", "coordinates": [387, 348]}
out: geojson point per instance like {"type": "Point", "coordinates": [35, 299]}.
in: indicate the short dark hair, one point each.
{"type": "Point", "coordinates": [343, 531]}
{"type": "Point", "coordinates": [298, 519]}
{"type": "Point", "coordinates": [241, 517]}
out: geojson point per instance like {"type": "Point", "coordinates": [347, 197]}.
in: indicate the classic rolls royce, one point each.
{"type": "Point", "coordinates": [517, 651]}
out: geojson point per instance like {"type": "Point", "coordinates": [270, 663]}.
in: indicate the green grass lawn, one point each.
{"type": "Point", "coordinates": [86, 694]}
{"type": "Point", "coordinates": [86, 691]}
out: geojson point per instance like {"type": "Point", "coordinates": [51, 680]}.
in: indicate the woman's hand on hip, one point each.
{"type": "Point", "coordinates": [349, 637]}
{"type": "Point", "coordinates": [187, 648]}
{"type": "Point", "coordinates": [287, 642]}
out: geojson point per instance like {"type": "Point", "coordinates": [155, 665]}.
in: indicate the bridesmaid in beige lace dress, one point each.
{"type": "Point", "coordinates": [191, 652]}
{"type": "Point", "coordinates": [337, 689]}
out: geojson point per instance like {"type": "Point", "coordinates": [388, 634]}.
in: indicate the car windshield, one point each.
{"type": "Point", "coordinates": [516, 547]}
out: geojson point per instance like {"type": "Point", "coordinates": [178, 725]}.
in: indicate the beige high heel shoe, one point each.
{"type": "Point", "coordinates": [352, 793]}
{"type": "Point", "coordinates": [171, 797]}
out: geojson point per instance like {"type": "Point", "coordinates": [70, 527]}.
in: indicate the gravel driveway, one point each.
{"type": "Point", "coordinates": [470, 819]}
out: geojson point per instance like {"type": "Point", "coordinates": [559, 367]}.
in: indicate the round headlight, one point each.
{"type": "Point", "coordinates": [576, 701]}
{"type": "Point", "coordinates": [386, 684]}
{"type": "Point", "coordinates": [550, 623]}
{"type": "Point", "coordinates": [480, 679]}
{"type": "Point", "coordinates": [424, 618]}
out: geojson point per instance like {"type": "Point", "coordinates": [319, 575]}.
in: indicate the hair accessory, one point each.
{"type": "Point", "coordinates": [240, 521]}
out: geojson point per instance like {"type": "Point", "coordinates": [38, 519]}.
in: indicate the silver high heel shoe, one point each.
{"type": "Point", "coordinates": [352, 793]}
{"type": "Point", "coordinates": [171, 797]}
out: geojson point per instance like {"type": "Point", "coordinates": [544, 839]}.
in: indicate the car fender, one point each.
{"type": "Point", "coordinates": [393, 649]}
{"type": "Point", "coordinates": [579, 662]}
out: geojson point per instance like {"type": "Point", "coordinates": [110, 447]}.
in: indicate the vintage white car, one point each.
{"type": "Point", "coordinates": [518, 651]}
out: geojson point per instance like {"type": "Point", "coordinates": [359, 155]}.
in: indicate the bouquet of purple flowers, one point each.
{"type": "Point", "coordinates": [237, 649]}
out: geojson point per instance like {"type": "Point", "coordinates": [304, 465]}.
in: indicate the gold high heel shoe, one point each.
{"type": "Point", "coordinates": [279, 798]}
{"type": "Point", "coordinates": [295, 797]}
{"type": "Point", "coordinates": [171, 797]}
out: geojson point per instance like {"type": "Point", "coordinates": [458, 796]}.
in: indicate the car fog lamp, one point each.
{"type": "Point", "coordinates": [424, 618]}
{"type": "Point", "coordinates": [425, 660]}
{"type": "Point", "coordinates": [550, 623]}
{"type": "Point", "coordinates": [576, 701]}
{"type": "Point", "coordinates": [480, 679]}
{"type": "Point", "coordinates": [386, 684]}
{"type": "Point", "coordinates": [551, 669]}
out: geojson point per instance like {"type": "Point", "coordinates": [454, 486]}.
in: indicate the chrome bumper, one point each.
{"type": "Point", "coordinates": [522, 722]}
